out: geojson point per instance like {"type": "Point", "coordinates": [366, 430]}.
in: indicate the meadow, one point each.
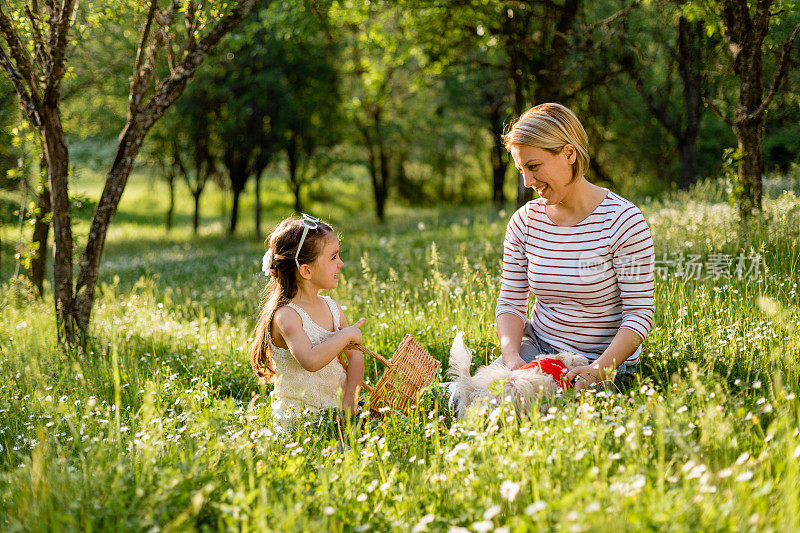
{"type": "Point", "coordinates": [158, 423]}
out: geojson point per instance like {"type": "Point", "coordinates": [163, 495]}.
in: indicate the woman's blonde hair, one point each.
{"type": "Point", "coordinates": [283, 284]}
{"type": "Point", "coordinates": [550, 127]}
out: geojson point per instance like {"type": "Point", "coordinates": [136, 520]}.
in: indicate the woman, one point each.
{"type": "Point", "coordinates": [584, 252]}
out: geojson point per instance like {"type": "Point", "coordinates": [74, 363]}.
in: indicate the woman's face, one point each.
{"type": "Point", "coordinates": [546, 173]}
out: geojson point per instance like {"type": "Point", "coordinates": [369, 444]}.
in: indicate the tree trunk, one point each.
{"type": "Point", "coordinates": [171, 208]}
{"type": "Point", "coordinates": [373, 162]}
{"type": "Point", "coordinates": [524, 194]}
{"type": "Point", "coordinates": [691, 45]}
{"type": "Point", "coordinates": [750, 130]}
{"type": "Point", "coordinates": [237, 165]}
{"type": "Point", "coordinates": [687, 149]}
{"type": "Point", "coordinates": [294, 178]}
{"type": "Point", "coordinates": [745, 30]}
{"type": "Point", "coordinates": [751, 166]}
{"type": "Point", "coordinates": [41, 230]}
{"type": "Point", "coordinates": [234, 211]}
{"type": "Point", "coordinates": [57, 156]}
{"type": "Point", "coordinates": [498, 156]}
{"type": "Point", "coordinates": [258, 204]}
{"type": "Point", "coordinates": [196, 217]}
{"type": "Point", "coordinates": [382, 191]}
{"type": "Point", "coordinates": [116, 179]}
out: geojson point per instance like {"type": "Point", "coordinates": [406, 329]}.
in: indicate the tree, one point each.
{"type": "Point", "coordinates": [746, 26]}
{"type": "Point", "coordinates": [660, 51]}
{"type": "Point", "coordinates": [544, 49]}
{"type": "Point", "coordinates": [376, 62]}
{"type": "Point", "coordinates": [38, 78]}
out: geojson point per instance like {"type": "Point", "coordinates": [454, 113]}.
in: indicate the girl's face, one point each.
{"type": "Point", "coordinates": [325, 268]}
{"type": "Point", "coordinates": [547, 173]}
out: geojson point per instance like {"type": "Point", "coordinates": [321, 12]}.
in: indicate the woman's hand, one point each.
{"type": "Point", "coordinates": [585, 377]}
{"type": "Point", "coordinates": [513, 362]}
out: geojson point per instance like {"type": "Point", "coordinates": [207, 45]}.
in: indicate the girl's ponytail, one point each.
{"type": "Point", "coordinates": [260, 352]}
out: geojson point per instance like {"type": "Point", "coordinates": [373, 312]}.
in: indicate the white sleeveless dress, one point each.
{"type": "Point", "coordinates": [297, 389]}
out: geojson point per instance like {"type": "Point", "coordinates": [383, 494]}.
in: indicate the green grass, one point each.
{"type": "Point", "coordinates": [159, 423]}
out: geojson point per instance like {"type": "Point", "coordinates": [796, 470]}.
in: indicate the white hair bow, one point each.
{"type": "Point", "coordinates": [266, 263]}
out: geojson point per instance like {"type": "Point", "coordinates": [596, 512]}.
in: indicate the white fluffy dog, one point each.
{"type": "Point", "coordinates": [496, 381]}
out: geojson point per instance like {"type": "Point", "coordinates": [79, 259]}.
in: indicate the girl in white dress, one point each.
{"type": "Point", "coordinates": [300, 333]}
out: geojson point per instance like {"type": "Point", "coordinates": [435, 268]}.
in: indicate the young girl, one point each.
{"type": "Point", "coordinates": [300, 333]}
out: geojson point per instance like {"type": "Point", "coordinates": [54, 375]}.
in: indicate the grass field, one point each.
{"type": "Point", "coordinates": [159, 424]}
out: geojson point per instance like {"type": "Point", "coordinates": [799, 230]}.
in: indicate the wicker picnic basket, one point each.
{"type": "Point", "coordinates": [408, 373]}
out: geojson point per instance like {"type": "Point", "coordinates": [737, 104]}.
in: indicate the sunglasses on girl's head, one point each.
{"type": "Point", "coordinates": [308, 222]}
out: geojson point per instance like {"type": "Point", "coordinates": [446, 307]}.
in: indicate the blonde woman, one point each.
{"type": "Point", "coordinates": [584, 252]}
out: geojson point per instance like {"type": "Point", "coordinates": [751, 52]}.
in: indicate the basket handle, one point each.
{"type": "Point", "coordinates": [367, 351]}
{"type": "Point", "coordinates": [363, 349]}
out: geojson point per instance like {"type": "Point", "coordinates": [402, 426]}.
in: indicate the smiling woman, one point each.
{"type": "Point", "coordinates": [584, 252]}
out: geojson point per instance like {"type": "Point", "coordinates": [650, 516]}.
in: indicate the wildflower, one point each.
{"type": "Point", "coordinates": [422, 525]}
{"type": "Point", "coordinates": [747, 475]}
{"type": "Point", "coordinates": [509, 490]}
{"type": "Point", "coordinates": [491, 512]}
{"type": "Point", "coordinates": [742, 458]}
{"type": "Point", "coordinates": [483, 527]}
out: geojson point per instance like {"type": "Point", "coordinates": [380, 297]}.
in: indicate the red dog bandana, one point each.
{"type": "Point", "coordinates": [554, 367]}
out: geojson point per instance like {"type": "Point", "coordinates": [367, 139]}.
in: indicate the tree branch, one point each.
{"type": "Point", "coordinates": [191, 27]}
{"type": "Point", "coordinates": [761, 19]}
{"type": "Point", "coordinates": [709, 104]}
{"type": "Point", "coordinates": [58, 47]}
{"type": "Point", "coordinates": [170, 89]}
{"type": "Point", "coordinates": [606, 22]}
{"type": "Point", "coordinates": [146, 55]}
{"type": "Point", "coordinates": [26, 102]}
{"type": "Point", "coordinates": [140, 52]}
{"type": "Point", "coordinates": [782, 68]}
{"type": "Point", "coordinates": [18, 52]}
{"type": "Point", "coordinates": [38, 39]}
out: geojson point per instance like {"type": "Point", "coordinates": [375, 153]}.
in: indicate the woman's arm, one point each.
{"type": "Point", "coordinates": [510, 328]}
{"type": "Point", "coordinates": [625, 342]}
{"type": "Point", "coordinates": [289, 327]}
{"type": "Point", "coordinates": [512, 302]}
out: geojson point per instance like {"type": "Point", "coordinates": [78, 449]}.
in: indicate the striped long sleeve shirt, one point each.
{"type": "Point", "coordinates": [589, 280]}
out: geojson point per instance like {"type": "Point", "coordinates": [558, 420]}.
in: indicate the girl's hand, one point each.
{"type": "Point", "coordinates": [354, 332]}
{"type": "Point", "coordinates": [349, 405]}
{"type": "Point", "coordinates": [585, 377]}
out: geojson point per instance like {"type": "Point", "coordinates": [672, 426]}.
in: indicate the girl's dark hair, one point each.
{"type": "Point", "coordinates": [282, 286]}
